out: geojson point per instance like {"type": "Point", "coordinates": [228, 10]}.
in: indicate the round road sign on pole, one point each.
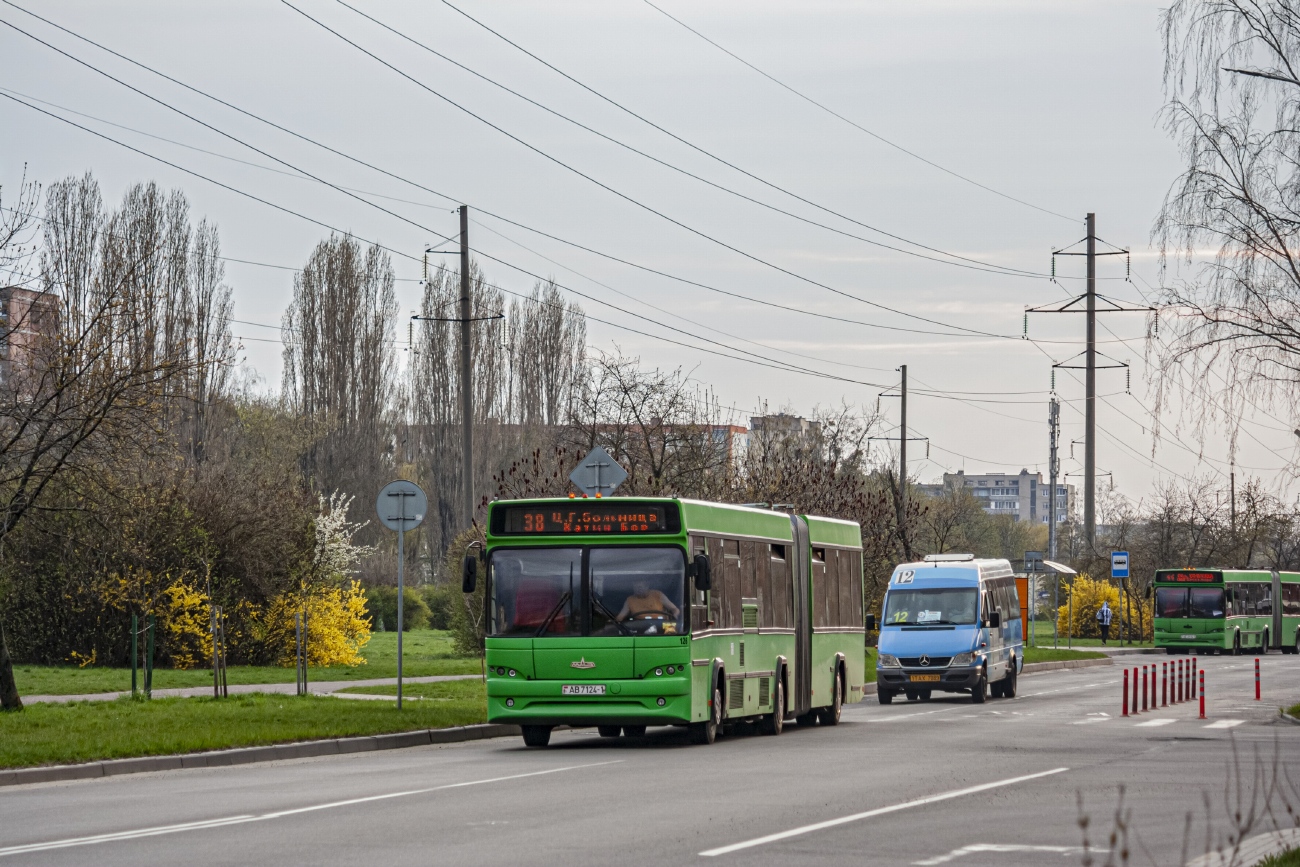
{"type": "Point", "coordinates": [401, 505]}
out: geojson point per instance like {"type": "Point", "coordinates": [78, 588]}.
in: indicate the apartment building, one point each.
{"type": "Point", "coordinates": [1023, 495]}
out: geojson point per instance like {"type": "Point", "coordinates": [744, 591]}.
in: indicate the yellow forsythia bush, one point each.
{"type": "Point", "coordinates": [338, 625]}
{"type": "Point", "coordinates": [185, 625]}
{"type": "Point", "coordinates": [1089, 594]}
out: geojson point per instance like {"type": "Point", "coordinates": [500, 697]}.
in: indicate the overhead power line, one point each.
{"type": "Point", "coordinates": [875, 135]}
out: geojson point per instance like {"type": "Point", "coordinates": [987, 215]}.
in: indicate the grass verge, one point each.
{"type": "Point", "coordinates": [1289, 858]}
{"type": "Point", "coordinates": [447, 690]}
{"type": "Point", "coordinates": [1294, 711]}
{"type": "Point", "coordinates": [44, 734]}
{"type": "Point", "coordinates": [425, 652]}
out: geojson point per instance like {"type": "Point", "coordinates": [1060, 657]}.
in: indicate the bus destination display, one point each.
{"type": "Point", "coordinates": [612, 518]}
{"type": "Point", "coordinates": [1190, 577]}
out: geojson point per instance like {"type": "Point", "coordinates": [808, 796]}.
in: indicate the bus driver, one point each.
{"type": "Point", "coordinates": [645, 602]}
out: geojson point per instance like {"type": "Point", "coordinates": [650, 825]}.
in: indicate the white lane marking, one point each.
{"type": "Point", "coordinates": [997, 847]}
{"type": "Point", "coordinates": [236, 820]}
{"type": "Point", "coordinates": [1155, 722]}
{"type": "Point", "coordinates": [880, 811]}
{"type": "Point", "coordinates": [1070, 689]}
{"type": "Point", "coordinates": [1224, 724]}
{"type": "Point", "coordinates": [906, 715]}
{"type": "Point", "coordinates": [1091, 719]}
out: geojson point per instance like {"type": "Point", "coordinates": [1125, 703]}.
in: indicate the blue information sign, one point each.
{"type": "Point", "coordinates": [1119, 564]}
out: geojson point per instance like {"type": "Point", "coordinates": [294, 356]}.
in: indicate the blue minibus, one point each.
{"type": "Point", "coordinates": [950, 623]}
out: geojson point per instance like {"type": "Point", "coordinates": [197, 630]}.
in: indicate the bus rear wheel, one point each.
{"type": "Point", "coordinates": [775, 724]}
{"type": "Point", "coordinates": [536, 736]}
{"type": "Point", "coordinates": [830, 716]}
{"type": "Point", "coordinates": [707, 732]}
{"type": "Point", "coordinates": [1263, 645]}
{"type": "Point", "coordinates": [1236, 644]}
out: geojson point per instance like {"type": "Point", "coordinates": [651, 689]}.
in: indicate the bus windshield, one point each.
{"type": "Point", "coordinates": [543, 592]}
{"type": "Point", "coordinates": [938, 605]}
{"type": "Point", "coordinates": [536, 591]}
{"type": "Point", "coordinates": [1204, 602]}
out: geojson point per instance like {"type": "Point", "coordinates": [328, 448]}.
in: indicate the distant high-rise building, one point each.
{"type": "Point", "coordinates": [1024, 495]}
{"type": "Point", "coordinates": [26, 318]}
{"type": "Point", "coordinates": [784, 423]}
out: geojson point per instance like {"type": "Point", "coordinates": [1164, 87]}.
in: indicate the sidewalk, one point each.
{"type": "Point", "coordinates": [321, 688]}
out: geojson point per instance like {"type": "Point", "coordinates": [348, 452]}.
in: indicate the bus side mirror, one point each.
{"type": "Point", "coordinates": [871, 623]}
{"type": "Point", "coordinates": [995, 620]}
{"type": "Point", "coordinates": [469, 573]}
{"type": "Point", "coordinates": [700, 569]}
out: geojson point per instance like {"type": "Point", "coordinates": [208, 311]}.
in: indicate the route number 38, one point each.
{"type": "Point", "coordinates": [905, 577]}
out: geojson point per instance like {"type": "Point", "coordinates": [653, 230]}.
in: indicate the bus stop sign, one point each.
{"type": "Point", "coordinates": [1119, 564]}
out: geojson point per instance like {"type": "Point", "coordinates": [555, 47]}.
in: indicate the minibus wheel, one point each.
{"type": "Point", "coordinates": [1009, 683]}
{"type": "Point", "coordinates": [885, 696]}
{"type": "Point", "coordinates": [979, 693]}
{"type": "Point", "coordinates": [536, 736]}
{"type": "Point", "coordinates": [911, 695]}
{"type": "Point", "coordinates": [924, 695]}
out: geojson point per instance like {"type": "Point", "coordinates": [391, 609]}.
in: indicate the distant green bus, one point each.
{"type": "Point", "coordinates": [623, 613]}
{"type": "Point", "coordinates": [1227, 610]}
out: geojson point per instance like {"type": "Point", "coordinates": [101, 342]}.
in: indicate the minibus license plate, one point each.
{"type": "Point", "coordinates": [924, 678]}
{"type": "Point", "coordinates": [583, 689]}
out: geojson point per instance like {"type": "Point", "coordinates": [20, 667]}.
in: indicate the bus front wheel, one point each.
{"type": "Point", "coordinates": [707, 732]}
{"type": "Point", "coordinates": [536, 736]}
{"type": "Point", "coordinates": [1263, 646]}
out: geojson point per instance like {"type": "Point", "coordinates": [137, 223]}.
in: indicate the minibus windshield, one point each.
{"type": "Point", "coordinates": [930, 606]}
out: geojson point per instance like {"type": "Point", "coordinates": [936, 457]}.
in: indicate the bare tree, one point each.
{"type": "Point", "coordinates": [1233, 87]}
{"type": "Point", "coordinates": [339, 361]}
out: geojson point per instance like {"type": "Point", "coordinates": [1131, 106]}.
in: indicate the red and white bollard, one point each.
{"type": "Point", "coordinates": [1126, 692]}
{"type": "Point", "coordinates": [1178, 677]}
{"type": "Point", "coordinates": [1202, 695]}
{"type": "Point", "coordinates": [1257, 678]}
{"type": "Point", "coordinates": [1164, 684]}
{"type": "Point", "coordinates": [1144, 688]}
{"type": "Point", "coordinates": [1134, 701]}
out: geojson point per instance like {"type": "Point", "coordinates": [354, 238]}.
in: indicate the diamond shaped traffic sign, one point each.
{"type": "Point", "coordinates": [598, 473]}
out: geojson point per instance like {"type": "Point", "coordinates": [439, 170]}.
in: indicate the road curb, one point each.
{"type": "Point", "coordinates": [1287, 717]}
{"type": "Point", "coordinates": [1057, 664]}
{"type": "Point", "coordinates": [248, 755]}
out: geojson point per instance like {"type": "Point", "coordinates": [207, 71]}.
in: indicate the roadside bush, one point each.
{"type": "Point", "coordinates": [467, 611]}
{"type": "Point", "coordinates": [441, 599]}
{"type": "Point", "coordinates": [382, 603]}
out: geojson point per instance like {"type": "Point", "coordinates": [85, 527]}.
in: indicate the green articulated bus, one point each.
{"type": "Point", "coordinates": [623, 613]}
{"type": "Point", "coordinates": [1227, 610]}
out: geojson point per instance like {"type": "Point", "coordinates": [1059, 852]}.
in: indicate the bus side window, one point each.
{"type": "Point", "coordinates": [699, 613]}
{"type": "Point", "coordinates": [1291, 599]}
{"type": "Point", "coordinates": [844, 585]}
{"type": "Point", "coordinates": [731, 613]}
{"type": "Point", "coordinates": [819, 587]}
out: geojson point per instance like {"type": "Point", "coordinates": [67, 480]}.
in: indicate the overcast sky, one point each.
{"type": "Point", "coordinates": [1055, 104]}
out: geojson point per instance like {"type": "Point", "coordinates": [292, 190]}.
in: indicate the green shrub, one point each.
{"type": "Point", "coordinates": [382, 604]}
{"type": "Point", "coordinates": [440, 598]}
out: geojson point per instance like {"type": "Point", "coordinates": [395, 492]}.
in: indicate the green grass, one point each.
{"type": "Point", "coordinates": [1294, 711]}
{"type": "Point", "coordinates": [447, 690]}
{"type": "Point", "coordinates": [424, 652]}
{"type": "Point", "coordinates": [1047, 654]}
{"type": "Point", "coordinates": [87, 731]}
{"type": "Point", "coordinates": [871, 665]}
{"type": "Point", "coordinates": [1289, 858]}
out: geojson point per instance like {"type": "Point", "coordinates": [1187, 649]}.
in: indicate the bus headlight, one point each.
{"type": "Point", "coordinates": [963, 658]}
{"type": "Point", "coordinates": [887, 661]}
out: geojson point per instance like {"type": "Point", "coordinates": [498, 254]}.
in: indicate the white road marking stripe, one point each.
{"type": "Point", "coordinates": [906, 715]}
{"type": "Point", "coordinates": [880, 811]}
{"type": "Point", "coordinates": [1084, 722]}
{"type": "Point", "coordinates": [996, 847]}
{"type": "Point", "coordinates": [1224, 724]}
{"type": "Point", "coordinates": [236, 820]}
{"type": "Point", "coordinates": [1155, 722]}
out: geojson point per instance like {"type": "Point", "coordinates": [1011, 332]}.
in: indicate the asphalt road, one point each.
{"type": "Point", "coordinates": [922, 783]}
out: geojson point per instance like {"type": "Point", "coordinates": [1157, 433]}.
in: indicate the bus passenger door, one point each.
{"type": "Point", "coordinates": [801, 699]}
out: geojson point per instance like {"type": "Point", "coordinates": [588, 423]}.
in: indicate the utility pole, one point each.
{"type": "Point", "coordinates": [1053, 467]}
{"type": "Point", "coordinates": [902, 450]}
{"type": "Point", "coordinates": [1090, 394]}
{"type": "Point", "coordinates": [466, 371]}
{"type": "Point", "coordinates": [466, 319]}
{"type": "Point", "coordinates": [1090, 365]}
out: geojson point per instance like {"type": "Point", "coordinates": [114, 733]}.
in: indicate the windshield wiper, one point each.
{"type": "Point", "coordinates": [612, 619]}
{"type": "Point", "coordinates": [551, 614]}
